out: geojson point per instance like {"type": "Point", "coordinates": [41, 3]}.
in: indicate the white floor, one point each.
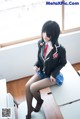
{"type": "Point", "coordinates": [22, 111]}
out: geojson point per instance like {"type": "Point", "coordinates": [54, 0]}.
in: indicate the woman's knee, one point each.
{"type": "Point", "coordinates": [29, 83]}
{"type": "Point", "coordinates": [27, 86]}
{"type": "Point", "coordinates": [33, 88]}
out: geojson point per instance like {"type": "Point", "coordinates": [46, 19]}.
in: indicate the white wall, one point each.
{"type": "Point", "coordinates": [17, 61]}
{"type": "Point", "coordinates": [71, 42]}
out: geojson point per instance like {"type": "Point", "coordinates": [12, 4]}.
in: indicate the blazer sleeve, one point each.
{"type": "Point", "coordinates": [37, 63]}
{"type": "Point", "coordinates": [62, 62]}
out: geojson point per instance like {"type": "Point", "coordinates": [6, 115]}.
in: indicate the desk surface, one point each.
{"type": "Point", "coordinates": [70, 90]}
{"type": "Point", "coordinates": [71, 111]}
{"type": "Point", "coordinates": [3, 92]}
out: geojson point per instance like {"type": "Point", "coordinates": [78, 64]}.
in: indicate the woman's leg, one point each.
{"type": "Point", "coordinates": [36, 87]}
{"type": "Point", "coordinates": [29, 95]}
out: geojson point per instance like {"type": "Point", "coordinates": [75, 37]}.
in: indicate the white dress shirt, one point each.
{"type": "Point", "coordinates": [49, 47]}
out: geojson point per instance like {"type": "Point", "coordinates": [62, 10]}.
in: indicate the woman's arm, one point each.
{"type": "Point", "coordinates": [62, 53]}
{"type": "Point", "coordinates": [37, 64]}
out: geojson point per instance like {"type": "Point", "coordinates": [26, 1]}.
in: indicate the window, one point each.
{"type": "Point", "coordinates": [71, 15]}
{"type": "Point", "coordinates": [22, 20]}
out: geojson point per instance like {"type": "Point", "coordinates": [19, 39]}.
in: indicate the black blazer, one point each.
{"type": "Point", "coordinates": [54, 61]}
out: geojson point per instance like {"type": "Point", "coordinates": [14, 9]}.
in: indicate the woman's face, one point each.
{"type": "Point", "coordinates": [45, 37]}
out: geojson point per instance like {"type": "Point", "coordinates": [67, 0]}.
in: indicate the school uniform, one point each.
{"type": "Point", "coordinates": [53, 62]}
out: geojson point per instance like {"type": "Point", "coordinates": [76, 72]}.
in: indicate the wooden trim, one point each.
{"type": "Point", "coordinates": [62, 17]}
{"type": "Point", "coordinates": [35, 37]}
{"type": "Point", "coordinates": [19, 41]}
{"type": "Point", "coordinates": [51, 109]}
{"type": "Point", "coordinates": [71, 30]}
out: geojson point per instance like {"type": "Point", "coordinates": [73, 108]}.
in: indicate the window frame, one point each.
{"type": "Point", "coordinates": [38, 36]}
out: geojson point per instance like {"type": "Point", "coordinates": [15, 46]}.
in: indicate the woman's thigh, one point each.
{"type": "Point", "coordinates": [41, 84]}
{"type": "Point", "coordinates": [33, 79]}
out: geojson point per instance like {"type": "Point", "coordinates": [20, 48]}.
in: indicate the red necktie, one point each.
{"type": "Point", "coordinates": [45, 50]}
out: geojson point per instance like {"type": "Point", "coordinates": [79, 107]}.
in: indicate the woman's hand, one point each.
{"type": "Point", "coordinates": [52, 79]}
{"type": "Point", "coordinates": [36, 68]}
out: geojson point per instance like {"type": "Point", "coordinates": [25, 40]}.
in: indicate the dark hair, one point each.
{"type": "Point", "coordinates": [52, 30]}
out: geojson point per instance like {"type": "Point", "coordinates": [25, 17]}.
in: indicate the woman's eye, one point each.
{"type": "Point", "coordinates": [48, 35]}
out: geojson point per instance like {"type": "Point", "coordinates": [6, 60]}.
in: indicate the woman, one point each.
{"type": "Point", "coordinates": [51, 58]}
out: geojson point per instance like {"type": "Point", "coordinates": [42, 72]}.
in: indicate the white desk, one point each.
{"type": "Point", "coordinates": [71, 111]}
{"type": "Point", "coordinates": [3, 92]}
{"type": "Point", "coordinates": [6, 99]}
{"type": "Point", "coordinates": [68, 92]}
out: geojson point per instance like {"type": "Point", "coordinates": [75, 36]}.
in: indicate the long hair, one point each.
{"type": "Point", "coordinates": [52, 30]}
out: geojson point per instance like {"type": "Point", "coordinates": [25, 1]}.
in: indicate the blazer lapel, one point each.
{"type": "Point", "coordinates": [42, 50]}
{"type": "Point", "coordinates": [50, 53]}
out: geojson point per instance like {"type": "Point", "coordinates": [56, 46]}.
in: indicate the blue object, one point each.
{"type": "Point", "coordinates": [41, 75]}
{"type": "Point", "coordinates": [59, 79]}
